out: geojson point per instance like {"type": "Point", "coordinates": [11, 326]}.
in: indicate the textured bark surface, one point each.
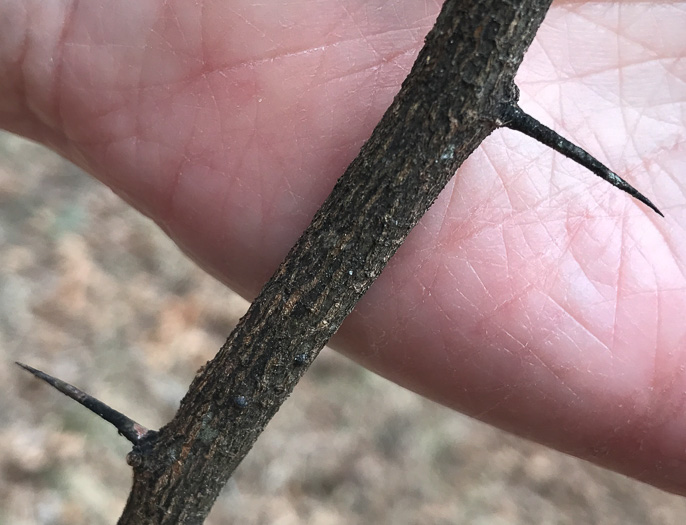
{"type": "Point", "coordinates": [448, 105]}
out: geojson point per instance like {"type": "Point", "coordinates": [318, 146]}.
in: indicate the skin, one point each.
{"type": "Point", "coordinates": [532, 295]}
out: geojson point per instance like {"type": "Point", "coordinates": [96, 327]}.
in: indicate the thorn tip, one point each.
{"type": "Point", "coordinates": [126, 426]}
{"type": "Point", "coordinates": [514, 118]}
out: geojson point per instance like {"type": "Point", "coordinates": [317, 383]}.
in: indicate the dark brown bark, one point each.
{"type": "Point", "coordinates": [451, 101]}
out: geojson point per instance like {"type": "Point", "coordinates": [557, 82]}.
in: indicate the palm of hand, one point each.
{"type": "Point", "coordinates": [532, 294]}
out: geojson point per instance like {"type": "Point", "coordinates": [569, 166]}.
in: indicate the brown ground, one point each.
{"type": "Point", "coordinates": [94, 293]}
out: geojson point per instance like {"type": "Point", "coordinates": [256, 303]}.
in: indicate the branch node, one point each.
{"type": "Point", "coordinates": [515, 118]}
{"type": "Point", "coordinates": [126, 426]}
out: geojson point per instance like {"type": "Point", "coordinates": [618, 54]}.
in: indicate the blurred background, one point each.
{"type": "Point", "coordinates": [95, 294]}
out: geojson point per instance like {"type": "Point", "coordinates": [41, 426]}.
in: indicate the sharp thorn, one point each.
{"type": "Point", "coordinates": [126, 426]}
{"type": "Point", "coordinates": [514, 118]}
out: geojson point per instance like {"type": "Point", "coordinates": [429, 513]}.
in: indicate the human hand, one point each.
{"type": "Point", "coordinates": [532, 295]}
